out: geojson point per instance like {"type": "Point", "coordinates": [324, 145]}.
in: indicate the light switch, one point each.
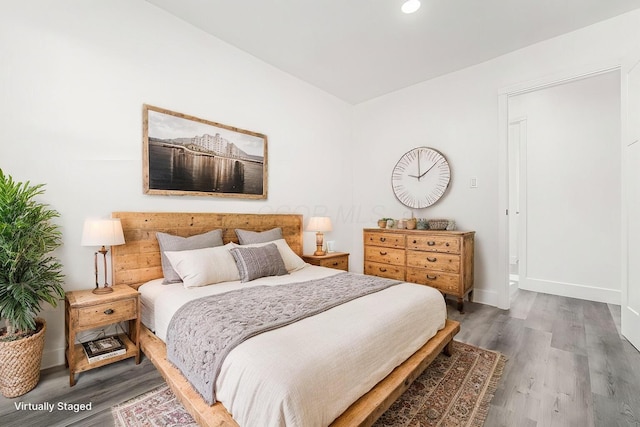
{"type": "Point", "coordinates": [474, 182]}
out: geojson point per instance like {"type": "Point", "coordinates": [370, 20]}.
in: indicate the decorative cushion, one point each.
{"type": "Point", "coordinates": [200, 267]}
{"type": "Point", "coordinates": [169, 242]}
{"type": "Point", "coordinates": [246, 237]}
{"type": "Point", "coordinates": [256, 262]}
{"type": "Point", "coordinates": [292, 261]}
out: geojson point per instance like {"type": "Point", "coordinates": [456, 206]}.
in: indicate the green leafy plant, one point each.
{"type": "Point", "coordinates": [29, 274]}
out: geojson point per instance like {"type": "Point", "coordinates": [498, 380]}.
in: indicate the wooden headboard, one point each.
{"type": "Point", "coordinates": [138, 260]}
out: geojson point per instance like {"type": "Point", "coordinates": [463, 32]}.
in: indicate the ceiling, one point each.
{"type": "Point", "coordinates": [360, 49]}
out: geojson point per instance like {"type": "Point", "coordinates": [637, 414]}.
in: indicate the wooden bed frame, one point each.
{"type": "Point", "coordinates": [138, 261]}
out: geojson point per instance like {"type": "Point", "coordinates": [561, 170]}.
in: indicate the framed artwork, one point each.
{"type": "Point", "coordinates": [188, 156]}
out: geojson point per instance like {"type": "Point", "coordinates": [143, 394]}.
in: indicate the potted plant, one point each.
{"type": "Point", "coordinates": [29, 277]}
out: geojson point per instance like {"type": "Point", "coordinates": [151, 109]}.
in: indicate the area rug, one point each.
{"type": "Point", "coordinates": [452, 391]}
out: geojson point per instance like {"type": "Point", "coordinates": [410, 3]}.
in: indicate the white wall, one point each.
{"type": "Point", "coordinates": [573, 188]}
{"type": "Point", "coordinates": [73, 77]}
{"type": "Point", "coordinates": [458, 114]}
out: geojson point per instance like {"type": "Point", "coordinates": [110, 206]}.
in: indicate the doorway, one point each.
{"type": "Point", "coordinates": [563, 188]}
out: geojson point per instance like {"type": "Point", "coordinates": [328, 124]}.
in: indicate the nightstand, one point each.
{"type": "Point", "coordinates": [85, 310]}
{"type": "Point", "coordinates": [337, 260]}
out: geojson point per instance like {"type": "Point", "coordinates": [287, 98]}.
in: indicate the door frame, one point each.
{"type": "Point", "coordinates": [504, 94]}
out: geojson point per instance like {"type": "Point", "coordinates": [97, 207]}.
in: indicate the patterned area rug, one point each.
{"type": "Point", "coordinates": [453, 391]}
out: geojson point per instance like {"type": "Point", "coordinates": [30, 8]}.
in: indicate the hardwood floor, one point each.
{"type": "Point", "coordinates": [567, 366]}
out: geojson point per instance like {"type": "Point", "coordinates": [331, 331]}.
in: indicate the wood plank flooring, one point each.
{"type": "Point", "coordinates": [567, 366]}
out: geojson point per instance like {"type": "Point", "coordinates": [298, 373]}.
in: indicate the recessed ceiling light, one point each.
{"type": "Point", "coordinates": [411, 6]}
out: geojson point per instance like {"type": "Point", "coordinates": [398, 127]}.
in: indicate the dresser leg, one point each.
{"type": "Point", "coordinates": [461, 305]}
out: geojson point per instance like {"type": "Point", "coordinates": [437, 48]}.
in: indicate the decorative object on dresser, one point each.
{"type": "Point", "coordinates": [441, 259]}
{"type": "Point", "coordinates": [29, 277]}
{"type": "Point", "coordinates": [337, 260]}
{"type": "Point", "coordinates": [85, 310]}
{"type": "Point", "coordinates": [102, 232]}
{"type": "Point", "coordinates": [421, 177]}
{"type": "Point", "coordinates": [218, 160]}
{"type": "Point", "coordinates": [319, 224]}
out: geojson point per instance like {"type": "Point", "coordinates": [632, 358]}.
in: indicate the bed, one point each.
{"type": "Point", "coordinates": [137, 264]}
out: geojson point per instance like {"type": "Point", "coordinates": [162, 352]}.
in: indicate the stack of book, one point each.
{"type": "Point", "coordinates": [103, 348]}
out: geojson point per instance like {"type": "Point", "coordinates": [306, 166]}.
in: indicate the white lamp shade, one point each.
{"type": "Point", "coordinates": [102, 232]}
{"type": "Point", "coordinates": [319, 223]}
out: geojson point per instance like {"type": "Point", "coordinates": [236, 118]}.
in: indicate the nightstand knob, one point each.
{"type": "Point", "coordinates": [109, 311]}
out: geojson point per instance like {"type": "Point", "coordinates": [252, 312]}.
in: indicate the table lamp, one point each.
{"type": "Point", "coordinates": [103, 233]}
{"type": "Point", "coordinates": [319, 224]}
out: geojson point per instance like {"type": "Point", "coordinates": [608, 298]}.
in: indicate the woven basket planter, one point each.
{"type": "Point", "coordinates": [21, 359]}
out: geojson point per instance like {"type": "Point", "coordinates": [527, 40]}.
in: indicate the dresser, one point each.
{"type": "Point", "coordinates": [440, 259]}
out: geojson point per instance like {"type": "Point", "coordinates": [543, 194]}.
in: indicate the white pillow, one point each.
{"type": "Point", "coordinates": [200, 267]}
{"type": "Point", "coordinates": [292, 261]}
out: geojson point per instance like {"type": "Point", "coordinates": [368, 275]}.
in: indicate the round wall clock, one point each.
{"type": "Point", "coordinates": [421, 177]}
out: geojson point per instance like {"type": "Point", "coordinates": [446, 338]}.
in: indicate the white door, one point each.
{"type": "Point", "coordinates": [631, 199]}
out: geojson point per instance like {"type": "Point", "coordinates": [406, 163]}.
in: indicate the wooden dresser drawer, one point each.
{"type": "Point", "coordinates": [434, 261]}
{"type": "Point", "coordinates": [110, 312]}
{"type": "Point", "coordinates": [445, 282]}
{"type": "Point", "coordinates": [384, 270]}
{"type": "Point", "coordinates": [446, 244]}
{"type": "Point", "coordinates": [384, 255]}
{"type": "Point", "coordinates": [389, 240]}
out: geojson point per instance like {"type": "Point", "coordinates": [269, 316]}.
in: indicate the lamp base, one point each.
{"type": "Point", "coordinates": [319, 253]}
{"type": "Point", "coordinates": [105, 290]}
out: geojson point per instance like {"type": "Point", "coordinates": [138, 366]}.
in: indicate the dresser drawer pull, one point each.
{"type": "Point", "coordinates": [383, 239]}
{"type": "Point", "coordinates": [415, 241]}
{"type": "Point", "coordinates": [434, 259]}
{"type": "Point", "coordinates": [431, 243]}
{"type": "Point", "coordinates": [382, 269]}
{"type": "Point", "coordinates": [430, 277]}
{"type": "Point", "coordinates": [383, 253]}
{"type": "Point", "coordinates": [334, 264]}
{"type": "Point", "coordinates": [109, 311]}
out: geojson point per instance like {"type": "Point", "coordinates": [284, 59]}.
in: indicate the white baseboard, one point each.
{"type": "Point", "coordinates": [485, 297]}
{"type": "Point", "coordinates": [572, 290]}
{"type": "Point", "coordinates": [53, 357]}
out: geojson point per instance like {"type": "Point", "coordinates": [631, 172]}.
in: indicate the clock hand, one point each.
{"type": "Point", "coordinates": [425, 172]}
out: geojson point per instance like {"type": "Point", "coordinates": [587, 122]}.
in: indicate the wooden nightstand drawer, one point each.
{"type": "Point", "coordinates": [337, 260]}
{"type": "Point", "coordinates": [434, 244]}
{"type": "Point", "coordinates": [107, 313]}
{"type": "Point", "coordinates": [339, 263]}
{"type": "Point", "coordinates": [434, 261]}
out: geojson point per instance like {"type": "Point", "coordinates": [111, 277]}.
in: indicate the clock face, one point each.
{"type": "Point", "coordinates": [420, 177]}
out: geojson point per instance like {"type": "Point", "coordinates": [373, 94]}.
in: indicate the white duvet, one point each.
{"type": "Point", "coordinates": [308, 373]}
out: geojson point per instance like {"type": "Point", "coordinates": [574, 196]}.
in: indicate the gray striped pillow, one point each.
{"type": "Point", "coordinates": [257, 262]}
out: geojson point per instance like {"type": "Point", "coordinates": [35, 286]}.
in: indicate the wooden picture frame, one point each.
{"type": "Point", "coordinates": [187, 156]}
